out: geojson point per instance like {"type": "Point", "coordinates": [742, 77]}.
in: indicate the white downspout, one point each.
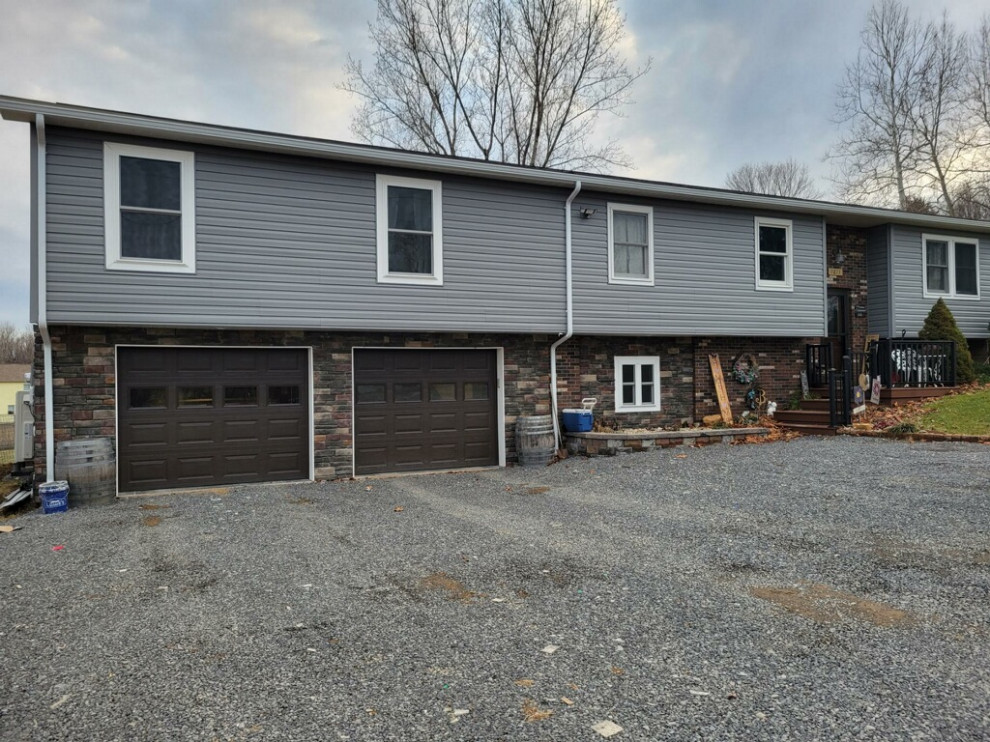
{"type": "Point", "coordinates": [570, 314]}
{"type": "Point", "coordinates": [46, 340]}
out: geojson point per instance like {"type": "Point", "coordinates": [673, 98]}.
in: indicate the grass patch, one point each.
{"type": "Point", "coordinates": [961, 414]}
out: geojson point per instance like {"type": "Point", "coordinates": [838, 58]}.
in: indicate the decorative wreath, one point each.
{"type": "Point", "coordinates": [745, 370]}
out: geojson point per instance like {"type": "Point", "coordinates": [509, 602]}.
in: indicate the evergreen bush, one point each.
{"type": "Point", "coordinates": [941, 325]}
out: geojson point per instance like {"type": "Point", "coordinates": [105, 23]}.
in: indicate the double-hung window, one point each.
{"type": "Point", "coordinates": [410, 243]}
{"type": "Point", "coordinates": [951, 267]}
{"type": "Point", "coordinates": [149, 208]}
{"type": "Point", "coordinates": [637, 383]}
{"type": "Point", "coordinates": [630, 244]}
{"type": "Point", "coordinates": [774, 254]}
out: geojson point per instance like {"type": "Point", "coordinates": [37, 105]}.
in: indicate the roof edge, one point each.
{"type": "Point", "coordinates": [61, 114]}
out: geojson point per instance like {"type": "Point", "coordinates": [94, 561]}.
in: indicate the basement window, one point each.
{"type": "Point", "coordinates": [637, 383]}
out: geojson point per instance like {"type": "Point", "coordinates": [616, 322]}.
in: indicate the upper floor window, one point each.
{"type": "Point", "coordinates": [637, 383]}
{"type": "Point", "coordinates": [149, 208]}
{"type": "Point", "coordinates": [951, 267]}
{"type": "Point", "coordinates": [774, 254]}
{"type": "Point", "coordinates": [630, 244]}
{"type": "Point", "coordinates": [410, 244]}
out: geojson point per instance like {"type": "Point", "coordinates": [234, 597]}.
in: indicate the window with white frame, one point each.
{"type": "Point", "coordinates": [951, 267]}
{"type": "Point", "coordinates": [149, 208]}
{"type": "Point", "coordinates": [637, 383]}
{"type": "Point", "coordinates": [410, 243]}
{"type": "Point", "coordinates": [630, 244]}
{"type": "Point", "coordinates": [774, 254]}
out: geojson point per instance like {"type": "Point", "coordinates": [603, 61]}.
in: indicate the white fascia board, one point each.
{"type": "Point", "coordinates": [59, 114]}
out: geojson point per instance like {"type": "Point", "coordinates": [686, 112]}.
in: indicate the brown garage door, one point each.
{"type": "Point", "coordinates": [194, 417]}
{"type": "Point", "coordinates": [417, 410]}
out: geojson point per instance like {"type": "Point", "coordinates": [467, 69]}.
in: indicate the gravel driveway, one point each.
{"type": "Point", "coordinates": [817, 589]}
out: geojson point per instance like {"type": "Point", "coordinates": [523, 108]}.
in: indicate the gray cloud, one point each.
{"type": "Point", "coordinates": [731, 82]}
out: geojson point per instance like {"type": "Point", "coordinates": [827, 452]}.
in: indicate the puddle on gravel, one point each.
{"type": "Point", "coordinates": [826, 605]}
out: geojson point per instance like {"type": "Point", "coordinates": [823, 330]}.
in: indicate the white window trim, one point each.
{"type": "Point", "coordinates": [788, 283]}
{"type": "Point", "coordinates": [648, 280]}
{"type": "Point", "coordinates": [382, 182]}
{"type": "Point", "coordinates": [638, 362]}
{"type": "Point", "coordinates": [112, 152]}
{"type": "Point", "coordinates": [951, 293]}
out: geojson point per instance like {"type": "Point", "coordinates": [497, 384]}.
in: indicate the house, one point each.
{"type": "Point", "coordinates": [236, 306]}
{"type": "Point", "coordinates": [12, 378]}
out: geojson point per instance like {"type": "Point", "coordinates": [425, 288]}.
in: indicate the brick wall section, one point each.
{"type": "Point", "coordinates": [851, 242]}
{"type": "Point", "coordinates": [586, 368]}
{"type": "Point", "coordinates": [84, 381]}
{"type": "Point", "coordinates": [780, 361]}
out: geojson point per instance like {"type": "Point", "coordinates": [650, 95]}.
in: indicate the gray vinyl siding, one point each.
{"type": "Point", "coordinates": [911, 306]}
{"type": "Point", "coordinates": [287, 242]}
{"type": "Point", "coordinates": [878, 281]}
{"type": "Point", "coordinates": [705, 276]}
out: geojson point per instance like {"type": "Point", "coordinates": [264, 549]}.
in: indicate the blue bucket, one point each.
{"type": "Point", "coordinates": [54, 497]}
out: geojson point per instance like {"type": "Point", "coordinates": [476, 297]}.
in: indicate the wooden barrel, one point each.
{"type": "Point", "coordinates": [535, 442]}
{"type": "Point", "coordinates": [87, 464]}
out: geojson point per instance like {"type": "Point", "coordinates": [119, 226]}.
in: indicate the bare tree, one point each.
{"type": "Point", "coordinates": [940, 125]}
{"type": "Point", "coordinates": [787, 178]}
{"type": "Point", "coordinates": [16, 346]}
{"type": "Point", "coordinates": [519, 81]}
{"type": "Point", "coordinates": [877, 151]}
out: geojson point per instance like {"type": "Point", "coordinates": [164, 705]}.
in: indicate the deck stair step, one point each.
{"type": "Point", "coordinates": [799, 417]}
{"type": "Point", "coordinates": [810, 428]}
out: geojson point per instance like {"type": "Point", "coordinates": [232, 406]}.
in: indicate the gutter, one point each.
{"type": "Point", "coordinates": [42, 239]}
{"type": "Point", "coordinates": [569, 282]}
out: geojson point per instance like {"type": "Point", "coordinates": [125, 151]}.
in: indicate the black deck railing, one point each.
{"type": "Point", "coordinates": [914, 363]}
{"type": "Point", "coordinates": [840, 394]}
{"type": "Point", "coordinates": [898, 362]}
{"type": "Point", "coordinates": [817, 361]}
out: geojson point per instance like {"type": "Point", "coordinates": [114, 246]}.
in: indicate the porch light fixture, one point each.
{"type": "Point", "coordinates": [588, 213]}
{"type": "Point", "coordinates": [840, 258]}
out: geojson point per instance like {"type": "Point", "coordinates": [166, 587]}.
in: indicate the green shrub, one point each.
{"type": "Point", "coordinates": [902, 428]}
{"type": "Point", "coordinates": [982, 372]}
{"type": "Point", "coordinates": [941, 325]}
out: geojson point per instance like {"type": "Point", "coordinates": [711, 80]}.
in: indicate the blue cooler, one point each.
{"type": "Point", "coordinates": [578, 421]}
{"type": "Point", "coordinates": [54, 496]}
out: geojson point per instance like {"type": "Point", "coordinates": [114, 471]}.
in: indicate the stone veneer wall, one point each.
{"type": "Point", "coordinates": [84, 381]}
{"type": "Point", "coordinates": [851, 241]}
{"type": "Point", "coordinates": [586, 368]}
{"type": "Point", "coordinates": [780, 361]}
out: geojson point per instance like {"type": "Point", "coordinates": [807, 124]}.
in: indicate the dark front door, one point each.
{"type": "Point", "coordinates": [195, 417]}
{"type": "Point", "coordinates": [839, 336]}
{"type": "Point", "coordinates": [421, 410]}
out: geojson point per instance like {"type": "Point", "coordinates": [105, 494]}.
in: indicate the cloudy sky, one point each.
{"type": "Point", "coordinates": [731, 82]}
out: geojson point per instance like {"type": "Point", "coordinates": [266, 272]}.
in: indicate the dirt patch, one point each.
{"type": "Point", "coordinates": [151, 521]}
{"type": "Point", "coordinates": [825, 605]}
{"type": "Point", "coordinates": [537, 490]}
{"type": "Point", "coordinates": [300, 500]}
{"type": "Point", "coordinates": [899, 554]}
{"type": "Point", "coordinates": [153, 506]}
{"type": "Point", "coordinates": [445, 583]}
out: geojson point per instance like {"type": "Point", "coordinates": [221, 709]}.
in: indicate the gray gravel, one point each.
{"type": "Point", "coordinates": [723, 595]}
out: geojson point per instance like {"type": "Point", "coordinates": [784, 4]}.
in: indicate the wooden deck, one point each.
{"type": "Point", "coordinates": [902, 394]}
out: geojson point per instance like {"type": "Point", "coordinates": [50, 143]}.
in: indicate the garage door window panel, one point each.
{"type": "Point", "coordinates": [370, 393]}
{"type": "Point", "coordinates": [404, 392]}
{"type": "Point", "coordinates": [283, 395]}
{"type": "Point", "coordinates": [443, 392]}
{"type": "Point", "coordinates": [195, 396]}
{"type": "Point", "coordinates": [144, 398]}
